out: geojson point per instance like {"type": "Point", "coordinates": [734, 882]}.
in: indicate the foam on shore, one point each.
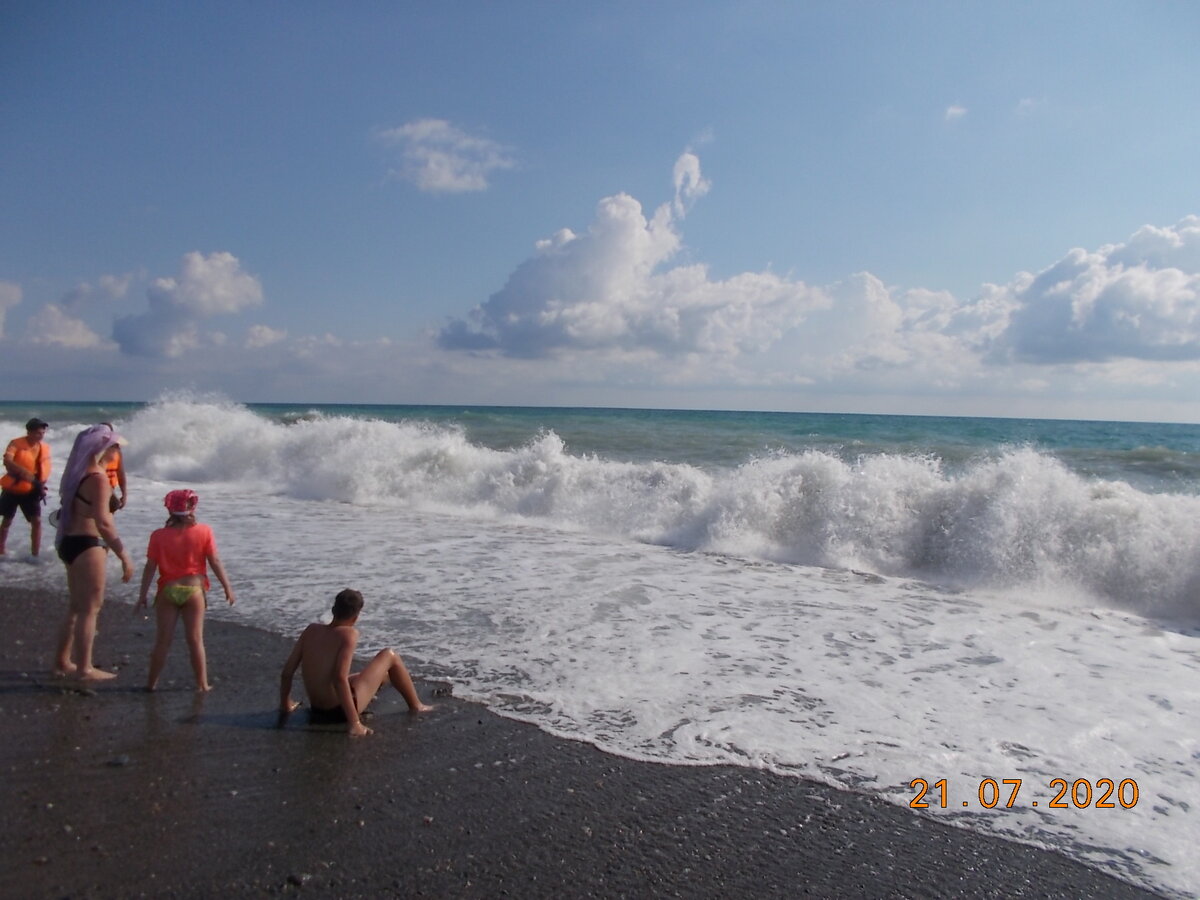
{"type": "Point", "coordinates": [114, 791]}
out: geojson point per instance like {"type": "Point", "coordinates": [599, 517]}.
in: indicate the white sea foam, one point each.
{"type": "Point", "coordinates": [1016, 520]}
{"type": "Point", "coordinates": [675, 613]}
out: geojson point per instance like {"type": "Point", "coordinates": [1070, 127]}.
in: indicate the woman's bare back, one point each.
{"type": "Point", "coordinates": [89, 497]}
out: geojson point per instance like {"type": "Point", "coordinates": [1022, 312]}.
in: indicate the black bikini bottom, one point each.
{"type": "Point", "coordinates": [318, 716]}
{"type": "Point", "coordinates": [74, 544]}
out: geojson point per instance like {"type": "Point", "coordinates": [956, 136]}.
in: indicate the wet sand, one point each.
{"type": "Point", "coordinates": [114, 792]}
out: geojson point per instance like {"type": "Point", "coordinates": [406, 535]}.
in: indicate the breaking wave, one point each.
{"type": "Point", "coordinates": [1013, 519]}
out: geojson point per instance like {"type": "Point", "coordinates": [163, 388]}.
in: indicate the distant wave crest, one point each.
{"type": "Point", "coordinates": [1018, 519]}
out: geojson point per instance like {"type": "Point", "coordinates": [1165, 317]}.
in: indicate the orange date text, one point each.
{"type": "Point", "coordinates": [1059, 793]}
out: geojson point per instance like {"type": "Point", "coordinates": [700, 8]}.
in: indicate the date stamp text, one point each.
{"type": "Point", "coordinates": [1060, 793]}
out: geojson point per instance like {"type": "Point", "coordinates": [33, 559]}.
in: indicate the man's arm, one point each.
{"type": "Point", "coordinates": [121, 480]}
{"type": "Point", "coordinates": [286, 703]}
{"type": "Point", "coordinates": [341, 674]}
{"type": "Point", "coordinates": [12, 468]}
{"type": "Point", "coordinates": [41, 473]}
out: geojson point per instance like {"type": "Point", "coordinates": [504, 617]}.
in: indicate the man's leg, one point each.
{"type": "Point", "coordinates": [7, 521]}
{"type": "Point", "coordinates": [386, 666]}
{"type": "Point", "coordinates": [35, 534]}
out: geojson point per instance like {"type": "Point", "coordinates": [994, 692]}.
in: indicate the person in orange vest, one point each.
{"type": "Point", "coordinates": [116, 479]}
{"type": "Point", "coordinates": [23, 485]}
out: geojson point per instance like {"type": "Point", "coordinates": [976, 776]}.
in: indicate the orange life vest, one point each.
{"type": "Point", "coordinates": [34, 458]}
{"type": "Point", "coordinates": [113, 467]}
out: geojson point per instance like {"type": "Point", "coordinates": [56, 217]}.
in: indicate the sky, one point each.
{"type": "Point", "coordinates": [916, 208]}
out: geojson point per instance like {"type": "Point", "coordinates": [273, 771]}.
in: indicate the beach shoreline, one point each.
{"type": "Point", "coordinates": [114, 792]}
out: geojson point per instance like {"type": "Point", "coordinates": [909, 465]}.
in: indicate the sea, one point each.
{"type": "Point", "coordinates": [994, 622]}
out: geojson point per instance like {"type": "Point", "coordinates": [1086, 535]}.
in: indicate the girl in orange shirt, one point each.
{"type": "Point", "coordinates": [180, 552]}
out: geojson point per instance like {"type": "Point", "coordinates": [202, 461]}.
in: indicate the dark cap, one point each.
{"type": "Point", "coordinates": [35, 422]}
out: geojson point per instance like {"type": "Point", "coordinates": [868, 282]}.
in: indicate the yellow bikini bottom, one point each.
{"type": "Point", "coordinates": [179, 594]}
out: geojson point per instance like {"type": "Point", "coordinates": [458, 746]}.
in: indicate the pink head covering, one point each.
{"type": "Point", "coordinates": [89, 446]}
{"type": "Point", "coordinates": [181, 503]}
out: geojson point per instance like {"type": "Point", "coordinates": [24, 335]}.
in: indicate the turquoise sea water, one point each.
{"type": "Point", "coordinates": [1156, 456]}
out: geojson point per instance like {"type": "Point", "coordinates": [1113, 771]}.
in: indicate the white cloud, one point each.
{"type": "Point", "coordinates": [77, 297]}
{"type": "Point", "coordinates": [50, 325]}
{"type": "Point", "coordinates": [690, 185]}
{"type": "Point", "coordinates": [1127, 314]}
{"type": "Point", "coordinates": [1138, 300]}
{"type": "Point", "coordinates": [115, 286]}
{"type": "Point", "coordinates": [871, 334]}
{"type": "Point", "coordinates": [206, 286]}
{"type": "Point", "coordinates": [955, 112]}
{"type": "Point", "coordinates": [609, 290]}
{"type": "Point", "coordinates": [1124, 314]}
{"type": "Point", "coordinates": [112, 286]}
{"type": "Point", "coordinates": [439, 158]}
{"type": "Point", "coordinates": [616, 312]}
{"type": "Point", "coordinates": [606, 307]}
{"type": "Point", "coordinates": [1176, 247]}
{"type": "Point", "coordinates": [258, 336]}
{"type": "Point", "coordinates": [10, 296]}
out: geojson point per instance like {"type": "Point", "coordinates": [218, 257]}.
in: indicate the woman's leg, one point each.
{"type": "Point", "coordinates": [193, 629]}
{"type": "Point", "coordinates": [87, 596]}
{"type": "Point", "coordinates": [66, 640]}
{"type": "Point", "coordinates": [66, 631]}
{"type": "Point", "coordinates": [165, 616]}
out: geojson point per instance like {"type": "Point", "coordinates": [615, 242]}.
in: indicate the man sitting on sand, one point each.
{"type": "Point", "coordinates": [324, 653]}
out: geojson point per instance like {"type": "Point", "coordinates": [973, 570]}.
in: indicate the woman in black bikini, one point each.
{"type": "Point", "coordinates": [85, 525]}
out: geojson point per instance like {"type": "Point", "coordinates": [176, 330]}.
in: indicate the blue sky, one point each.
{"type": "Point", "coordinates": [942, 208]}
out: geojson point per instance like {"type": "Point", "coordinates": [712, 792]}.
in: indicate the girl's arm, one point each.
{"type": "Point", "coordinates": [147, 577]}
{"type": "Point", "coordinates": [214, 562]}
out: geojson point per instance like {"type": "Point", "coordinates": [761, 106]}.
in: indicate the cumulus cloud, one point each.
{"type": "Point", "coordinates": [1115, 320]}
{"type": "Point", "coordinates": [206, 286]}
{"type": "Point", "coordinates": [612, 305]}
{"type": "Point", "coordinates": [51, 325]}
{"type": "Point", "coordinates": [955, 112]}
{"type": "Point", "coordinates": [690, 185]}
{"type": "Point", "coordinates": [871, 333]}
{"type": "Point", "coordinates": [1117, 313]}
{"type": "Point", "coordinates": [440, 158]}
{"type": "Point", "coordinates": [111, 286]}
{"type": "Point", "coordinates": [77, 297]}
{"type": "Point", "coordinates": [10, 296]}
{"type": "Point", "coordinates": [258, 336]}
{"type": "Point", "coordinates": [1136, 300]}
{"type": "Point", "coordinates": [115, 286]}
{"type": "Point", "coordinates": [610, 289]}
